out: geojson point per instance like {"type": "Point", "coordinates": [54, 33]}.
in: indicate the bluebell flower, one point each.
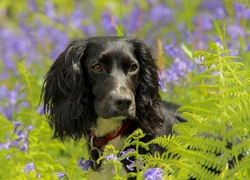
{"type": "Point", "coordinates": [176, 73]}
{"type": "Point", "coordinates": [108, 22]}
{"type": "Point", "coordinates": [204, 21]}
{"type": "Point", "coordinates": [16, 126]}
{"type": "Point", "coordinates": [84, 164]}
{"type": "Point", "coordinates": [215, 7]}
{"type": "Point", "coordinates": [8, 102]}
{"type": "Point", "coordinates": [8, 156]}
{"type": "Point", "coordinates": [234, 31]}
{"type": "Point", "coordinates": [134, 21]}
{"type": "Point", "coordinates": [160, 14]}
{"type": "Point", "coordinates": [124, 153]}
{"type": "Point", "coordinates": [21, 141]}
{"type": "Point", "coordinates": [60, 175]}
{"type": "Point", "coordinates": [111, 157]}
{"type": "Point", "coordinates": [89, 30]}
{"type": "Point", "coordinates": [138, 163]}
{"type": "Point", "coordinates": [248, 47]}
{"type": "Point", "coordinates": [24, 147]}
{"type": "Point", "coordinates": [33, 5]}
{"type": "Point", "coordinates": [16, 142]}
{"type": "Point", "coordinates": [3, 145]}
{"type": "Point", "coordinates": [77, 17]}
{"type": "Point", "coordinates": [153, 174]}
{"type": "Point", "coordinates": [241, 11]}
{"type": "Point", "coordinates": [131, 165]}
{"type": "Point", "coordinates": [40, 110]}
{"type": "Point", "coordinates": [29, 167]}
{"type": "Point", "coordinates": [172, 50]}
{"type": "Point", "coordinates": [234, 51]}
{"type": "Point", "coordinates": [30, 127]}
{"type": "Point", "coordinates": [49, 9]}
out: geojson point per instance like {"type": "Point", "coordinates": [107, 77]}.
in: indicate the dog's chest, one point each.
{"type": "Point", "coordinates": [106, 171]}
{"type": "Point", "coordinates": [104, 126]}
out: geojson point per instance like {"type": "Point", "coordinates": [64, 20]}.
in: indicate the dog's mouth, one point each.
{"type": "Point", "coordinates": [111, 112]}
{"type": "Point", "coordinates": [130, 114]}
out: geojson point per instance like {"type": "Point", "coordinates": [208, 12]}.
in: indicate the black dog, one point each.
{"type": "Point", "coordinates": [104, 88]}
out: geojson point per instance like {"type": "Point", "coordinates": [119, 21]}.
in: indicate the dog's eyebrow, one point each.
{"type": "Point", "coordinates": [106, 58]}
{"type": "Point", "coordinates": [128, 58]}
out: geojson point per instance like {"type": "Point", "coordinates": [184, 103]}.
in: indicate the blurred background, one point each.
{"type": "Point", "coordinates": [34, 32]}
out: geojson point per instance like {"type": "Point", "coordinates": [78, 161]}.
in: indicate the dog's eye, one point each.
{"type": "Point", "coordinates": [97, 68]}
{"type": "Point", "coordinates": [133, 68]}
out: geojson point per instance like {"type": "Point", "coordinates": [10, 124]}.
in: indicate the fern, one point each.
{"type": "Point", "coordinates": [217, 130]}
{"type": "Point", "coordinates": [223, 117]}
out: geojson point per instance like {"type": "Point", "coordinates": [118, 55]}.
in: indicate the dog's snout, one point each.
{"type": "Point", "coordinates": [122, 102]}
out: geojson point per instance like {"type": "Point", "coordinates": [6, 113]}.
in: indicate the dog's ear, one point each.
{"type": "Point", "coordinates": [147, 93]}
{"type": "Point", "coordinates": [66, 94]}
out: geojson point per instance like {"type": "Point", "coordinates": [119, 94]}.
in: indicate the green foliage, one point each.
{"type": "Point", "coordinates": [213, 123]}
{"type": "Point", "coordinates": [222, 118]}
{"type": "Point", "coordinates": [217, 116]}
{"type": "Point", "coordinates": [49, 156]}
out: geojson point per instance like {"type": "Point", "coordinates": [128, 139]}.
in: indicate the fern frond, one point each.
{"type": "Point", "coordinates": [221, 123]}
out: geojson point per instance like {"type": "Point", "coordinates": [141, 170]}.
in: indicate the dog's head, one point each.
{"type": "Point", "coordinates": [101, 77]}
{"type": "Point", "coordinates": [113, 73]}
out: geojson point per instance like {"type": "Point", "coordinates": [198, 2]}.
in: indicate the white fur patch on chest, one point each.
{"type": "Point", "coordinates": [105, 126]}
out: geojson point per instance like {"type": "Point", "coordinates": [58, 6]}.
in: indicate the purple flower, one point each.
{"type": "Point", "coordinates": [132, 163]}
{"type": "Point", "coordinates": [84, 164]}
{"type": "Point", "coordinates": [60, 175]}
{"type": "Point", "coordinates": [234, 51]}
{"type": "Point", "coordinates": [248, 47]}
{"type": "Point", "coordinates": [172, 50]}
{"type": "Point", "coordinates": [8, 100]}
{"type": "Point", "coordinates": [21, 141]}
{"type": "Point", "coordinates": [241, 11]}
{"type": "Point", "coordinates": [178, 71]}
{"type": "Point", "coordinates": [49, 9]}
{"type": "Point", "coordinates": [108, 23]}
{"type": "Point", "coordinates": [29, 167]}
{"type": "Point", "coordinates": [89, 30]}
{"type": "Point", "coordinates": [30, 128]}
{"type": "Point", "coordinates": [111, 157]}
{"type": "Point", "coordinates": [153, 174]}
{"type": "Point", "coordinates": [160, 14]}
{"type": "Point", "coordinates": [204, 21]}
{"type": "Point", "coordinates": [216, 8]}
{"type": "Point", "coordinates": [33, 5]}
{"type": "Point", "coordinates": [124, 153]}
{"type": "Point", "coordinates": [8, 157]}
{"type": "Point", "coordinates": [139, 163]}
{"type": "Point", "coordinates": [77, 18]}
{"type": "Point", "coordinates": [234, 31]}
{"type": "Point", "coordinates": [134, 21]}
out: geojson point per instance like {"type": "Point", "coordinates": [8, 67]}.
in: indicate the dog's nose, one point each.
{"type": "Point", "coordinates": [122, 103]}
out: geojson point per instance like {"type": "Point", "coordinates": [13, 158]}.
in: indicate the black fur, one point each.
{"type": "Point", "coordinates": [124, 83]}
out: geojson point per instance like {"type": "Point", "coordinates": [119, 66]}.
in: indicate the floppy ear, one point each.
{"type": "Point", "coordinates": [147, 93]}
{"type": "Point", "coordinates": [66, 94]}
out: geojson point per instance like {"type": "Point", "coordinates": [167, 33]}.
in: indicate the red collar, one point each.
{"type": "Point", "coordinates": [102, 141]}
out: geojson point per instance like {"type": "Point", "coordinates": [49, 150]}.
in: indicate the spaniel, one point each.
{"type": "Point", "coordinates": [103, 89]}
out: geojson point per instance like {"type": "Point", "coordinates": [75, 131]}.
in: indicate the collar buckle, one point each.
{"type": "Point", "coordinates": [100, 142]}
